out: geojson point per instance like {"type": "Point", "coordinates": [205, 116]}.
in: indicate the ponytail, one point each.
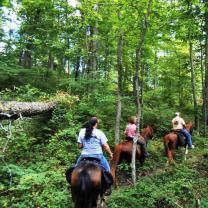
{"type": "Point", "coordinates": [89, 127]}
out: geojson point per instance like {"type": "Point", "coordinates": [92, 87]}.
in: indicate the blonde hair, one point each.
{"type": "Point", "coordinates": [132, 119]}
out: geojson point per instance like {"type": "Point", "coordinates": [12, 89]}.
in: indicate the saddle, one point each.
{"type": "Point", "coordinates": [107, 178]}
{"type": "Point", "coordinates": [91, 159]}
{"type": "Point", "coordinates": [129, 138]}
{"type": "Point", "coordinates": [181, 140]}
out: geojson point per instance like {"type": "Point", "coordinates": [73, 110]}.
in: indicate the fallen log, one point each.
{"type": "Point", "coordinates": [14, 109]}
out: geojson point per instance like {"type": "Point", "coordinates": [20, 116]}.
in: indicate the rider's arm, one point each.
{"type": "Point", "coordinates": [105, 145]}
{"type": "Point", "coordinates": [79, 139]}
{"type": "Point", "coordinates": [183, 122]}
{"type": "Point", "coordinates": [108, 150]}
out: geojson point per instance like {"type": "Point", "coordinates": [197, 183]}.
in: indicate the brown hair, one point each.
{"type": "Point", "coordinates": [132, 119]}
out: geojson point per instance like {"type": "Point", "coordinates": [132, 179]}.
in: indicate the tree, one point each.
{"type": "Point", "coordinates": [120, 78]}
{"type": "Point", "coordinates": [137, 84]}
{"type": "Point", "coordinates": [206, 60]}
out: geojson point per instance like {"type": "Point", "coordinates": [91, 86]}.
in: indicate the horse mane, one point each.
{"type": "Point", "coordinates": [84, 191]}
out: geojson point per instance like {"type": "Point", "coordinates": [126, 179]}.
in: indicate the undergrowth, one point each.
{"type": "Point", "coordinates": [159, 185]}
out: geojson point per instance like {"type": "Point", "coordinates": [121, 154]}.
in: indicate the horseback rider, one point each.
{"type": "Point", "coordinates": [130, 133]}
{"type": "Point", "coordinates": [179, 125]}
{"type": "Point", "coordinates": [92, 140]}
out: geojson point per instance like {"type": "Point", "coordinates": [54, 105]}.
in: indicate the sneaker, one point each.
{"type": "Point", "coordinates": [192, 147]}
{"type": "Point", "coordinates": [108, 192]}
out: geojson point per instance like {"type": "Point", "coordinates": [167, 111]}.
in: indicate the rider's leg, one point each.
{"type": "Point", "coordinates": [104, 163]}
{"type": "Point", "coordinates": [78, 161]}
{"type": "Point", "coordinates": [144, 147]}
{"type": "Point", "coordinates": [188, 137]}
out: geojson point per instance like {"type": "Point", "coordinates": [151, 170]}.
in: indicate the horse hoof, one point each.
{"type": "Point", "coordinates": [101, 203]}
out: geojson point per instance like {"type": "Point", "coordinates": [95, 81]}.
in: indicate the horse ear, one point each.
{"type": "Point", "coordinates": [145, 126]}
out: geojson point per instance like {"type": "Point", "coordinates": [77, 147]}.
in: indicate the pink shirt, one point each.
{"type": "Point", "coordinates": [130, 130]}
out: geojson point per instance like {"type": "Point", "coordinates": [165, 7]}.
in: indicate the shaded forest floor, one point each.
{"type": "Point", "coordinates": [159, 185]}
{"type": "Point", "coordinates": [37, 154]}
{"type": "Point", "coordinates": [38, 175]}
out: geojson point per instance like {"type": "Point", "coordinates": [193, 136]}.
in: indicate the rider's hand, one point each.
{"type": "Point", "coordinates": [111, 156]}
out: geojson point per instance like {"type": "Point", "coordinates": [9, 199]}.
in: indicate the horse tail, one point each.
{"type": "Point", "coordinates": [86, 195]}
{"type": "Point", "coordinates": [167, 144]}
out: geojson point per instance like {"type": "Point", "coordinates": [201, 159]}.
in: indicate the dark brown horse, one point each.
{"type": "Point", "coordinates": [170, 142]}
{"type": "Point", "coordinates": [86, 185]}
{"type": "Point", "coordinates": [123, 150]}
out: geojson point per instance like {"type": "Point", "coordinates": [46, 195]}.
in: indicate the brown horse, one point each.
{"type": "Point", "coordinates": [170, 142]}
{"type": "Point", "coordinates": [123, 150]}
{"type": "Point", "coordinates": [86, 185]}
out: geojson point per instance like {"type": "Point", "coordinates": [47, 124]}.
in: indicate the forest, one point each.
{"type": "Point", "coordinates": [64, 61]}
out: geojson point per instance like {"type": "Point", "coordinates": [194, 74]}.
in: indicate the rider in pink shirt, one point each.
{"type": "Point", "coordinates": [130, 130]}
{"type": "Point", "coordinates": [130, 133]}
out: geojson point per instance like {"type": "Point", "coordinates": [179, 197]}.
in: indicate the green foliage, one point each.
{"type": "Point", "coordinates": [164, 186]}
{"type": "Point", "coordinates": [39, 152]}
{"type": "Point", "coordinates": [52, 37]}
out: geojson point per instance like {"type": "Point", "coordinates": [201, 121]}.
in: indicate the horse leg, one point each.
{"type": "Point", "coordinates": [170, 156]}
{"type": "Point", "coordinates": [168, 149]}
{"type": "Point", "coordinates": [186, 153]}
{"type": "Point", "coordinates": [101, 202]}
{"type": "Point", "coordinates": [114, 163]}
{"type": "Point", "coordinates": [140, 156]}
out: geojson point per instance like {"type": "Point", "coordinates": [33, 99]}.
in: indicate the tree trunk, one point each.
{"type": "Point", "coordinates": [94, 53]}
{"type": "Point", "coordinates": [20, 58]}
{"type": "Point", "coordinates": [106, 63]}
{"type": "Point", "coordinates": [193, 77]}
{"type": "Point", "coordinates": [77, 65]}
{"type": "Point", "coordinates": [93, 47]}
{"type": "Point", "coordinates": [27, 60]}
{"type": "Point", "coordinates": [118, 117]}
{"type": "Point", "coordinates": [193, 83]}
{"type": "Point", "coordinates": [50, 61]}
{"type": "Point", "coordinates": [203, 87]}
{"type": "Point", "coordinates": [14, 110]}
{"type": "Point", "coordinates": [180, 89]}
{"type": "Point", "coordinates": [137, 86]}
{"type": "Point", "coordinates": [27, 57]}
{"type": "Point", "coordinates": [155, 71]}
{"type": "Point", "coordinates": [125, 77]}
{"type": "Point", "coordinates": [141, 92]}
{"type": "Point", "coordinates": [66, 65]}
{"type": "Point", "coordinates": [206, 61]}
{"type": "Point", "coordinates": [119, 89]}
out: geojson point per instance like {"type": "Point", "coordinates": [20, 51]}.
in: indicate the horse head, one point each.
{"type": "Point", "coordinates": [147, 133]}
